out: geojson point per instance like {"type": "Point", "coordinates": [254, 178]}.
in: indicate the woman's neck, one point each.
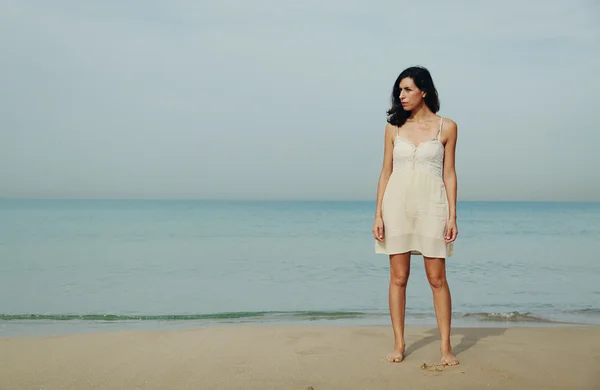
{"type": "Point", "coordinates": [421, 114]}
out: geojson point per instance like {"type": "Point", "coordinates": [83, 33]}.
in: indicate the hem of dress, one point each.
{"type": "Point", "coordinates": [449, 252]}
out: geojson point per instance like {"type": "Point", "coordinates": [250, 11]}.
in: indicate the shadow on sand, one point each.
{"type": "Point", "coordinates": [470, 337]}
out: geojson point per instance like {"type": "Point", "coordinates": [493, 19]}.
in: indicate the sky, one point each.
{"type": "Point", "coordinates": [269, 99]}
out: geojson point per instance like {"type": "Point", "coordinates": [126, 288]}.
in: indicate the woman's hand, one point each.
{"type": "Point", "coordinates": [378, 229]}
{"type": "Point", "coordinates": [451, 230]}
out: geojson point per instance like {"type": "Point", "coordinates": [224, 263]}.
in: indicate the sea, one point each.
{"type": "Point", "coordinates": [87, 265]}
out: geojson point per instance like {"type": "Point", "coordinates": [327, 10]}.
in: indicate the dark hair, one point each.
{"type": "Point", "coordinates": [422, 79]}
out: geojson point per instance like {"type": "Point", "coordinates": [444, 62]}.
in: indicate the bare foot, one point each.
{"type": "Point", "coordinates": [397, 356]}
{"type": "Point", "coordinates": [448, 359]}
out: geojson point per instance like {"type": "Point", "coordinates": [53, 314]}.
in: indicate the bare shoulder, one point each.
{"type": "Point", "coordinates": [450, 126]}
{"type": "Point", "coordinates": [390, 130]}
{"type": "Point", "coordinates": [449, 130]}
{"type": "Point", "coordinates": [449, 133]}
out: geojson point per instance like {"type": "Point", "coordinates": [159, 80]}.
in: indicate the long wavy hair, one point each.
{"type": "Point", "coordinates": [422, 78]}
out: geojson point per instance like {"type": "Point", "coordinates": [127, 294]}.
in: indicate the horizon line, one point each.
{"type": "Point", "coordinates": [207, 199]}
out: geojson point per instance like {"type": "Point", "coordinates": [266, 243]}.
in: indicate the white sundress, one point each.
{"type": "Point", "coordinates": [415, 207]}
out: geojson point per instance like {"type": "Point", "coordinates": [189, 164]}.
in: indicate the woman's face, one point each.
{"type": "Point", "coordinates": [410, 96]}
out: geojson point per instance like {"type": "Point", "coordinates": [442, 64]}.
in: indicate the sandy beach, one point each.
{"type": "Point", "coordinates": [293, 358]}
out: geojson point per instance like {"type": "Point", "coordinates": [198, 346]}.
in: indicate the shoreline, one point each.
{"type": "Point", "coordinates": [295, 357]}
{"type": "Point", "coordinates": [71, 326]}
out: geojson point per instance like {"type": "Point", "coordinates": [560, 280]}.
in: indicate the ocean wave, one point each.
{"type": "Point", "coordinates": [260, 315]}
{"type": "Point", "coordinates": [588, 311]}
{"type": "Point", "coordinates": [512, 316]}
{"type": "Point", "coordinates": [275, 316]}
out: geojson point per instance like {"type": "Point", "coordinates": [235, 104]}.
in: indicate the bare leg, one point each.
{"type": "Point", "coordinates": [442, 301]}
{"type": "Point", "coordinates": [399, 272]}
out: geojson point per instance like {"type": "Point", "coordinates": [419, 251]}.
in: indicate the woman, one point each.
{"type": "Point", "coordinates": [416, 200]}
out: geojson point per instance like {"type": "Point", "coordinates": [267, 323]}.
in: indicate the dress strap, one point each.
{"type": "Point", "coordinates": [440, 129]}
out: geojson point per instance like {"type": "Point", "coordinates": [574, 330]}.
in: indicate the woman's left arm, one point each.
{"type": "Point", "coordinates": [450, 181]}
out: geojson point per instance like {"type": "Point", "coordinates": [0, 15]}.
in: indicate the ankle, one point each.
{"type": "Point", "coordinates": [445, 346]}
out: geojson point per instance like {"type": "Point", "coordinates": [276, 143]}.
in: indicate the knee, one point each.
{"type": "Point", "coordinates": [400, 280]}
{"type": "Point", "coordinates": [436, 281]}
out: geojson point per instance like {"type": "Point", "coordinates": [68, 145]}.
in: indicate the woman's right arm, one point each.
{"type": "Point", "coordinates": [386, 171]}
